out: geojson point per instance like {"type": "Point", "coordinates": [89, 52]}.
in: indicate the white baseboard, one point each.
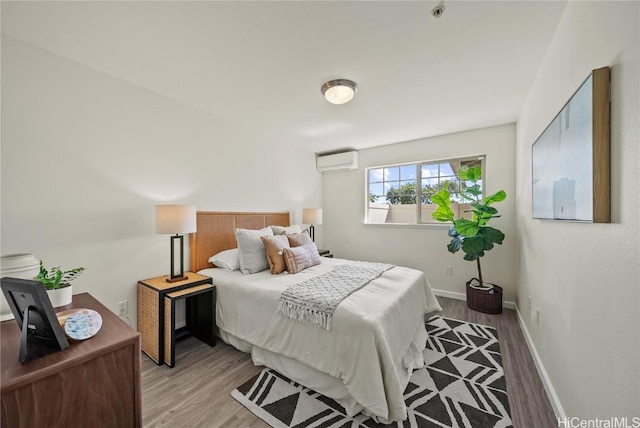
{"type": "Point", "coordinates": [463, 296]}
{"type": "Point", "coordinates": [542, 372]}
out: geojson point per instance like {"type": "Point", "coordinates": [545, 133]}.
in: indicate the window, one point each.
{"type": "Point", "coordinates": [401, 194]}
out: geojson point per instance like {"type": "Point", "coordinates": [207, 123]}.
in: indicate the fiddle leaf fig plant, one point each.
{"type": "Point", "coordinates": [54, 278]}
{"type": "Point", "coordinates": [472, 236]}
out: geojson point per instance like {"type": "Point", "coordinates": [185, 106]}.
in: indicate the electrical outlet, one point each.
{"type": "Point", "coordinates": [449, 270]}
{"type": "Point", "coordinates": [538, 319]}
{"type": "Point", "coordinates": [529, 305]}
{"type": "Point", "coordinates": [123, 308]}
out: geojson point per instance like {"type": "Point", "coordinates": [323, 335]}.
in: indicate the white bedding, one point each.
{"type": "Point", "coordinates": [376, 339]}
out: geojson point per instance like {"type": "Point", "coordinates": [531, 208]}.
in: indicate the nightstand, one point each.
{"type": "Point", "coordinates": [157, 300]}
{"type": "Point", "coordinates": [325, 253]}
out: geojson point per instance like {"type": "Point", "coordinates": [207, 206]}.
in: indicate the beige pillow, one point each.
{"type": "Point", "coordinates": [299, 239]}
{"type": "Point", "coordinates": [300, 258]}
{"type": "Point", "coordinates": [273, 246]}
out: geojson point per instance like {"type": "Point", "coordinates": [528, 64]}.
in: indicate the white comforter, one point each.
{"type": "Point", "coordinates": [371, 346]}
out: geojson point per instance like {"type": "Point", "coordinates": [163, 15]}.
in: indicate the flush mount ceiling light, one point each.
{"type": "Point", "coordinates": [339, 91]}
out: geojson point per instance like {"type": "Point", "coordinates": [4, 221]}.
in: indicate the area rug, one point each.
{"type": "Point", "coordinates": [461, 385]}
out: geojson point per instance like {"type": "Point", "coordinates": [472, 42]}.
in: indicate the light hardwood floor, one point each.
{"type": "Point", "coordinates": [196, 393]}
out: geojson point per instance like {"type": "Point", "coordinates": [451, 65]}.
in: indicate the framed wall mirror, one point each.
{"type": "Point", "coordinates": [571, 158]}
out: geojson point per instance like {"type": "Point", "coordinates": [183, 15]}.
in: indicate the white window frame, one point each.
{"type": "Point", "coordinates": [418, 165]}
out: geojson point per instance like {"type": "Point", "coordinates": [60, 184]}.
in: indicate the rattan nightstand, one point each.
{"type": "Point", "coordinates": [156, 314]}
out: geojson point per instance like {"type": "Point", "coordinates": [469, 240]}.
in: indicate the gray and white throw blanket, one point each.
{"type": "Point", "coordinates": [313, 300]}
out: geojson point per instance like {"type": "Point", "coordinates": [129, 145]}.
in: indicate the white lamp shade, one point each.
{"type": "Point", "coordinates": [312, 216]}
{"type": "Point", "coordinates": [177, 219]}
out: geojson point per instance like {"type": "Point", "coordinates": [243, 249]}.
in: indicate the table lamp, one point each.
{"type": "Point", "coordinates": [176, 219]}
{"type": "Point", "coordinates": [312, 216]}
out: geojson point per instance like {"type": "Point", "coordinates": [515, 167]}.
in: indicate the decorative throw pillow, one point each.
{"type": "Point", "coordinates": [300, 258]}
{"type": "Point", "coordinates": [281, 230]}
{"type": "Point", "coordinates": [299, 239]}
{"type": "Point", "coordinates": [227, 259]}
{"type": "Point", "coordinates": [252, 256]}
{"type": "Point", "coordinates": [273, 246]}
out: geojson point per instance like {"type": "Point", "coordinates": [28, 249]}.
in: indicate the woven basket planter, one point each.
{"type": "Point", "coordinates": [486, 301]}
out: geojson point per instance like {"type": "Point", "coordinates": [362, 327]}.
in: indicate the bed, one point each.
{"type": "Point", "coordinates": [376, 338]}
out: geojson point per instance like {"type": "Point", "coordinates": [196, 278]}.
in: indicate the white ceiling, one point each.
{"type": "Point", "coordinates": [261, 64]}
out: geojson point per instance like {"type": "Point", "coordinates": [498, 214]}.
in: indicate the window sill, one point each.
{"type": "Point", "coordinates": [410, 225]}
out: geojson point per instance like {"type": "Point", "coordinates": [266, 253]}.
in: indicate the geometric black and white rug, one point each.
{"type": "Point", "coordinates": [461, 385]}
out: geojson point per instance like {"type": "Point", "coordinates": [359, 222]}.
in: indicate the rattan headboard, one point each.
{"type": "Point", "coordinates": [217, 232]}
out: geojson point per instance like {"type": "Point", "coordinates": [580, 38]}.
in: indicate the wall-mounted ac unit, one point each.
{"type": "Point", "coordinates": [337, 162]}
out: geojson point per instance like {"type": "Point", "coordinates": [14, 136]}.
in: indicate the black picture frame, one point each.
{"type": "Point", "coordinates": [41, 333]}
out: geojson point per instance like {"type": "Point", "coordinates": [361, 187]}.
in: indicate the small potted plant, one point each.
{"type": "Point", "coordinates": [58, 283]}
{"type": "Point", "coordinates": [473, 236]}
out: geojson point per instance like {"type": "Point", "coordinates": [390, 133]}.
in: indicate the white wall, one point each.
{"type": "Point", "coordinates": [86, 157]}
{"type": "Point", "coordinates": [585, 277]}
{"type": "Point", "coordinates": [424, 247]}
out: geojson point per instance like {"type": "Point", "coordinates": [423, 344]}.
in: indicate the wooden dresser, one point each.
{"type": "Point", "coordinates": [95, 382]}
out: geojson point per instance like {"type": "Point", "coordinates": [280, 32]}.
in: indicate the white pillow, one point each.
{"type": "Point", "coordinates": [253, 257]}
{"type": "Point", "coordinates": [227, 259]}
{"type": "Point", "coordinates": [281, 230]}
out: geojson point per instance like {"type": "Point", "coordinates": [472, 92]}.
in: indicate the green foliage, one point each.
{"type": "Point", "coordinates": [406, 194]}
{"type": "Point", "coordinates": [55, 278]}
{"type": "Point", "coordinates": [473, 236]}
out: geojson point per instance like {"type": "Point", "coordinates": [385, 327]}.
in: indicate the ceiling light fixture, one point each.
{"type": "Point", "coordinates": [339, 91]}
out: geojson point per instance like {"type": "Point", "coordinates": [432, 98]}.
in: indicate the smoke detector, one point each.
{"type": "Point", "coordinates": [437, 12]}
